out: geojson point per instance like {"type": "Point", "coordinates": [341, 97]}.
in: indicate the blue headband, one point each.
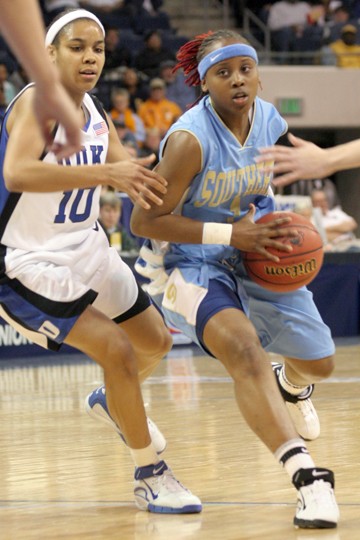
{"type": "Point", "coordinates": [230, 51]}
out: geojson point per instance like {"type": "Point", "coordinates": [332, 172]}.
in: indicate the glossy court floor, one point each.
{"type": "Point", "coordinates": [65, 476]}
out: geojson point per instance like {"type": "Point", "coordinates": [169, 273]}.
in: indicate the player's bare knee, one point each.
{"type": "Point", "coordinates": [314, 370]}
{"type": "Point", "coordinates": [322, 369]}
{"type": "Point", "coordinates": [119, 356]}
{"type": "Point", "coordinates": [243, 358]}
{"type": "Point", "coordinates": [161, 344]}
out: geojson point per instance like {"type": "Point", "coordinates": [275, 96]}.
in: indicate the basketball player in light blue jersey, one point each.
{"type": "Point", "coordinates": [215, 192]}
{"type": "Point", "coordinates": [60, 282]}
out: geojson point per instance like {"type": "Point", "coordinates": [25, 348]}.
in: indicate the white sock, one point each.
{"type": "Point", "coordinates": [144, 456]}
{"type": "Point", "coordinates": [293, 455]}
{"type": "Point", "coordinates": [288, 386]}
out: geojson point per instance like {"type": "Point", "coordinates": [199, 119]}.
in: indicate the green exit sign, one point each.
{"type": "Point", "coordinates": [290, 106]}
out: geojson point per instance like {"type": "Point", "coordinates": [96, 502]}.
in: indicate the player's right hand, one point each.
{"type": "Point", "coordinates": [258, 237]}
{"type": "Point", "coordinates": [141, 184]}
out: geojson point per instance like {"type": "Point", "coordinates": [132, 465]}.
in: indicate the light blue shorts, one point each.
{"type": "Point", "coordinates": [287, 324]}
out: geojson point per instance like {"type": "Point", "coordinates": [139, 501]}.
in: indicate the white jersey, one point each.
{"type": "Point", "coordinates": [58, 220]}
{"type": "Point", "coordinates": [55, 259]}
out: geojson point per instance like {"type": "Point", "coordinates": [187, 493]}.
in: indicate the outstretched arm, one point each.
{"type": "Point", "coordinates": [51, 101]}
{"type": "Point", "coordinates": [306, 160]}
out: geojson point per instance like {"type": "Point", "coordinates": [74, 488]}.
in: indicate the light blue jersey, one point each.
{"type": "Point", "coordinates": [228, 182]}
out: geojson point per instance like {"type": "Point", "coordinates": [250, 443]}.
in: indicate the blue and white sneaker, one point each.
{"type": "Point", "coordinates": [96, 407]}
{"type": "Point", "coordinates": [157, 490]}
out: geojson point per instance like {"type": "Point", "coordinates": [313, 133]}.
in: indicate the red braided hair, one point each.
{"type": "Point", "coordinates": [187, 59]}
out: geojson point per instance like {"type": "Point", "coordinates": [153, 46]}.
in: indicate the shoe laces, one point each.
{"type": "Point", "coordinates": [321, 491]}
{"type": "Point", "coordinates": [168, 480]}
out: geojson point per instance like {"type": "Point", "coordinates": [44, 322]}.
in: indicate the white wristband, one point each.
{"type": "Point", "coordinates": [217, 233]}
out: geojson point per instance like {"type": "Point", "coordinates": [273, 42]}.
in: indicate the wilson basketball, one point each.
{"type": "Point", "coordinates": [295, 268]}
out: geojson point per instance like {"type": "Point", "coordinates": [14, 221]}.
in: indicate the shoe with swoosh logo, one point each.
{"type": "Point", "coordinates": [157, 490]}
{"type": "Point", "coordinates": [316, 507]}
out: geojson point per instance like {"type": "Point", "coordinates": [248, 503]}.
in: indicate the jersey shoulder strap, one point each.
{"type": "Point", "coordinates": [99, 107]}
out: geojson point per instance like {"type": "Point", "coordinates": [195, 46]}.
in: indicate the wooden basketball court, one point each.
{"type": "Point", "coordinates": [65, 476]}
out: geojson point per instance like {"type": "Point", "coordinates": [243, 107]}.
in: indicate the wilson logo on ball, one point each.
{"type": "Point", "coordinates": [294, 270]}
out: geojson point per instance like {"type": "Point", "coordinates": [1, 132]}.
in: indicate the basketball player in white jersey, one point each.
{"type": "Point", "coordinates": [51, 101]}
{"type": "Point", "coordinates": [60, 282]}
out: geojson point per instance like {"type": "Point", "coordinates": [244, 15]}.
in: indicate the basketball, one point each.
{"type": "Point", "coordinates": [296, 268]}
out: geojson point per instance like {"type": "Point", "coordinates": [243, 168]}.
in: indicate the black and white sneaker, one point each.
{"type": "Point", "coordinates": [301, 409]}
{"type": "Point", "coordinates": [316, 506]}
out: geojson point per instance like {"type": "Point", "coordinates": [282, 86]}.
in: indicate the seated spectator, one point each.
{"type": "Point", "coordinates": [124, 134]}
{"type": "Point", "coordinates": [137, 87]}
{"type": "Point", "coordinates": [122, 112]}
{"type": "Point", "coordinates": [19, 78]}
{"type": "Point", "coordinates": [338, 226]}
{"type": "Point", "coordinates": [306, 187]}
{"type": "Point", "coordinates": [147, 14]}
{"type": "Point", "coordinates": [287, 20]}
{"type": "Point", "coordinates": [158, 111]}
{"type": "Point", "coordinates": [116, 54]}
{"type": "Point", "coordinates": [8, 89]}
{"type": "Point", "coordinates": [343, 52]}
{"type": "Point", "coordinates": [109, 219]}
{"type": "Point", "coordinates": [3, 104]}
{"type": "Point", "coordinates": [150, 57]}
{"type": "Point", "coordinates": [51, 8]}
{"type": "Point", "coordinates": [176, 88]}
{"type": "Point", "coordinates": [110, 12]}
{"type": "Point", "coordinates": [151, 145]}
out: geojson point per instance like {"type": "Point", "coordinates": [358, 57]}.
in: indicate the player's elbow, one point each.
{"type": "Point", "coordinates": [137, 225]}
{"type": "Point", "coordinates": [13, 178]}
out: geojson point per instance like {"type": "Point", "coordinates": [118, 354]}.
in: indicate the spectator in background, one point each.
{"type": "Point", "coordinates": [306, 187]}
{"type": "Point", "coordinates": [51, 8]}
{"type": "Point", "coordinates": [158, 111]}
{"type": "Point", "coordinates": [145, 13]}
{"type": "Point", "coordinates": [287, 20]}
{"type": "Point", "coordinates": [338, 16]}
{"type": "Point", "coordinates": [8, 89]}
{"type": "Point", "coordinates": [343, 52]}
{"type": "Point", "coordinates": [121, 111]}
{"type": "Point", "coordinates": [338, 226]}
{"type": "Point", "coordinates": [109, 219]}
{"type": "Point", "coordinates": [150, 57]}
{"type": "Point", "coordinates": [19, 78]}
{"type": "Point", "coordinates": [124, 134]}
{"type": "Point", "coordinates": [176, 88]}
{"type": "Point", "coordinates": [137, 87]}
{"type": "Point", "coordinates": [116, 55]}
{"type": "Point", "coordinates": [151, 145]}
{"type": "Point", "coordinates": [2, 103]}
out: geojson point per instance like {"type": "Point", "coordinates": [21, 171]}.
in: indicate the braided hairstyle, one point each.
{"type": "Point", "coordinates": [190, 54]}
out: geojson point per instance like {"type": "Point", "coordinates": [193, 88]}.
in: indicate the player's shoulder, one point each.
{"type": "Point", "coordinates": [21, 106]}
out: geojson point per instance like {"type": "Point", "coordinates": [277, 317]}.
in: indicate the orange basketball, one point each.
{"type": "Point", "coordinates": [296, 268]}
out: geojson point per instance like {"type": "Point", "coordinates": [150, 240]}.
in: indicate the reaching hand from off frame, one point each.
{"type": "Point", "coordinates": [250, 236]}
{"type": "Point", "coordinates": [304, 160]}
{"type": "Point", "coordinates": [133, 177]}
{"type": "Point", "coordinates": [52, 103]}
